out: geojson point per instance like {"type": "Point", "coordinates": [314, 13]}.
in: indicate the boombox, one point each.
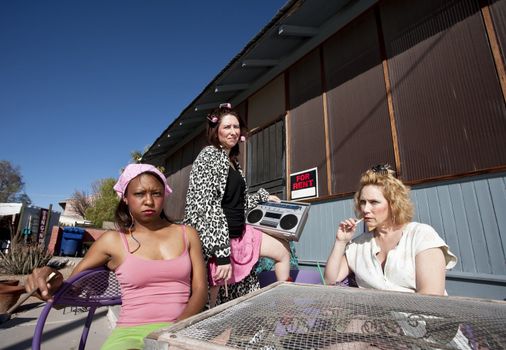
{"type": "Point", "coordinates": [284, 220]}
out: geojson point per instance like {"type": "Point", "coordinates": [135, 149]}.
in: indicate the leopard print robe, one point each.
{"type": "Point", "coordinates": [203, 211]}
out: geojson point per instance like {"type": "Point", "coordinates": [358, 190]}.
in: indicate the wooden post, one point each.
{"type": "Point", "coordinates": [391, 115]}
{"type": "Point", "coordinates": [494, 45]}
{"type": "Point", "coordinates": [388, 88]}
{"type": "Point", "coordinates": [288, 154]}
{"type": "Point", "coordinates": [47, 225]}
{"type": "Point", "coordinates": [327, 143]}
{"type": "Point", "coordinates": [17, 231]}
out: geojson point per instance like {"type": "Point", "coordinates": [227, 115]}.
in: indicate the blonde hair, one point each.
{"type": "Point", "coordinates": [395, 192]}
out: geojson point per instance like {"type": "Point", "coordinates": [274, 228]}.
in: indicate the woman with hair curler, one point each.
{"type": "Point", "coordinates": [216, 203]}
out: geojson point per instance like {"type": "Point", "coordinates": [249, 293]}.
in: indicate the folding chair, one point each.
{"type": "Point", "coordinates": [90, 289]}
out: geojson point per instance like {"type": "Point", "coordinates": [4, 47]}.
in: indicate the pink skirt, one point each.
{"type": "Point", "coordinates": [244, 254]}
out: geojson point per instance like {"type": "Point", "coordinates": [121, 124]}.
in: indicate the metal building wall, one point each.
{"type": "Point", "coordinates": [498, 13]}
{"type": "Point", "coordinates": [178, 167]}
{"type": "Point", "coordinates": [305, 123]}
{"type": "Point", "coordinates": [449, 108]}
{"type": "Point", "coordinates": [359, 125]}
{"type": "Point", "coordinates": [449, 111]}
{"type": "Point", "coordinates": [266, 160]}
{"type": "Point", "coordinates": [469, 215]}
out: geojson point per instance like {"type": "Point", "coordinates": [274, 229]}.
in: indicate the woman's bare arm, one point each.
{"type": "Point", "coordinates": [99, 254]}
{"type": "Point", "coordinates": [198, 296]}
{"type": "Point", "coordinates": [430, 272]}
{"type": "Point", "coordinates": [337, 267]}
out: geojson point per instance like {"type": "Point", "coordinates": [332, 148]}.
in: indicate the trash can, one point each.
{"type": "Point", "coordinates": [72, 239]}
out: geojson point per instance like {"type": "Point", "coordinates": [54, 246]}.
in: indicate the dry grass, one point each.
{"type": "Point", "coordinates": [23, 258]}
{"type": "Point", "coordinates": [65, 270]}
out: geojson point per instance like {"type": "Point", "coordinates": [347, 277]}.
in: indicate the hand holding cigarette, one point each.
{"type": "Point", "coordinates": [346, 229]}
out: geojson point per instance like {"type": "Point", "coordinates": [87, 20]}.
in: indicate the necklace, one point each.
{"type": "Point", "coordinates": [136, 241]}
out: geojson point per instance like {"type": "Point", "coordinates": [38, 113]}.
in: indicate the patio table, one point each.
{"type": "Point", "coordinates": [303, 316]}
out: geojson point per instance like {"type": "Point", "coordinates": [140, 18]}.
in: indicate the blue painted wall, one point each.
{"type": "Point", "coordinates": [470, 215]}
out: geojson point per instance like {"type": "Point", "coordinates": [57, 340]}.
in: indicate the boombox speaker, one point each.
{"type": "Point", "coordinates": [284, 220]}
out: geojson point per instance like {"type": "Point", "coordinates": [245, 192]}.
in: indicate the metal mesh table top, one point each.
{"type": "Point", "coordinates": [294, 316]}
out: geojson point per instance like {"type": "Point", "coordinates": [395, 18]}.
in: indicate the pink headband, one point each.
{"type": "Point", "coordinates": [134, 170]}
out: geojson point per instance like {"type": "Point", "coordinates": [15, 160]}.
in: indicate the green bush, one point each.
{"type": "Point", "coordinates": [104, 204]}
{"type": "Point", "coordinates": [21, 259]}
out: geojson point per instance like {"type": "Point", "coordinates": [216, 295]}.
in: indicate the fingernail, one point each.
{"type": "Point", "coordinates": [44, 293]}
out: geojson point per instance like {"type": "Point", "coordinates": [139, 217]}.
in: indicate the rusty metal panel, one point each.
{"type": "Point", "coordinates": [448, 104]}
{"type": "Point", "coordinates": [242, 111]}
{"type": "Point", "coordinates": [359, 125]}
{"type": "Point", "coordinates": [178, 167]}
{"type": "Point", "coordinates": [307, 133]}
{"type": "Point", "coordinates": [498, 12]}
{"type": "Point", "coordinates": [173, 168]}
{"type": "Point", "coordinates": [266, 159]}
{"type": "Point", "coordinates": [304, 80]}
{"type": "Point", "coordinates": [267, 104]}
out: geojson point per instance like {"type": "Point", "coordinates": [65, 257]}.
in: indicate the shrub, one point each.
{"type": "Point", "coordinates": [22, 259]}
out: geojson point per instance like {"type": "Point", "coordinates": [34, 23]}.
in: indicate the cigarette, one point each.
{"type": "Point", "coordinates": [50, 277]}
{"type": "Point", "coordinates": [356, 223]}
{"type": "Point", "coordinates": [226, 289]}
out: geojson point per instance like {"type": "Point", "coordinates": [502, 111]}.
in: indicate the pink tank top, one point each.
{"type": "Point", "coordinates": [153, 290]}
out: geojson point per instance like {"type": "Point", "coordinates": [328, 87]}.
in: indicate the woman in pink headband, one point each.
{"type": "Point", "coordinates": [158, 263]}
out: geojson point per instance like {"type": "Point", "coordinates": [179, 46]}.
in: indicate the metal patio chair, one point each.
{"type": "Point", "coordinates": [89, 289]}
{"type": "Point", "coordinates": [300, 276]}
{"type": "Point", "coordinates": [303, 276]}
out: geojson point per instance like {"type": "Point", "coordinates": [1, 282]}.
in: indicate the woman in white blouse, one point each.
{"type": "Point", "coordinates": [396, 253]}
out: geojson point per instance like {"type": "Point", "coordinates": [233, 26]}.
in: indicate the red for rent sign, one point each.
{"type": "Point", "coordinates": [304, 184]}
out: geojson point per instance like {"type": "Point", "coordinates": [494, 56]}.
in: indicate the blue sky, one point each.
{"type": "Point", "coordinates": [85, 83]}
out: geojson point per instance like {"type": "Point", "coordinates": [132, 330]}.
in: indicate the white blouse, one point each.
{"type": "Point", "coordinates": [399, 273]}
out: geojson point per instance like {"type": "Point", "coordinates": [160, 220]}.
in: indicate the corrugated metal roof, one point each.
{"type": "Point", "coordinates": [10, 208]}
